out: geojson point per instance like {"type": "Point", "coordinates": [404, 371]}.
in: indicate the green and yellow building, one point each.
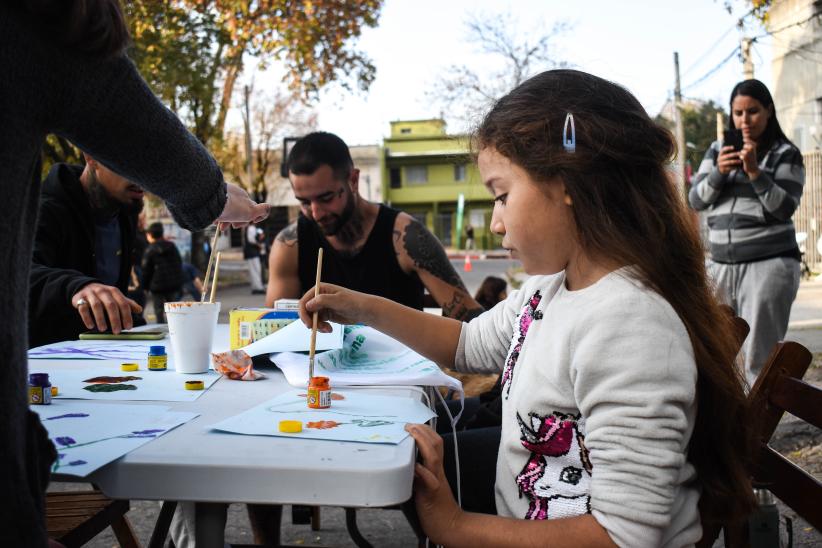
{"type": "Point", "coordinates": [424, 173]}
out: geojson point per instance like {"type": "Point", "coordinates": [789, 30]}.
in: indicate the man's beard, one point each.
{"type": "Point", "coordinates": [105, 204]}
{"type": "Point", "coordinates": [347, 226]}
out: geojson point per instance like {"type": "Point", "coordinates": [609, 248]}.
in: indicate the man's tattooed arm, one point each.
{"type": "Point", "coordinates": [288, 235]}
{"type": "Point", "coordinates": [458, 310]}
{"type": "Point", "coordinates": [428, 255]}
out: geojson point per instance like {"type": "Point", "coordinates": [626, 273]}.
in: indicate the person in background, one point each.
{"type": "Point", "coordinates": [193, 283]}
{"type": "Point", "coordinates": [749, 197]}
{"type": "Point", "coordinates": [83, 250]}
{"type": "Point", "coordinates": [135, 286]}
{"type": "Point", "coordinates": [621, 408]}
{"type": "Point", "coordinates": [162, 271]}
{"type": "Point", "coordinates": [71, 77]}
{"type": "Point", "coordinates": [491, 291]}
{"type": "Point", "coordinates": [469, 238]}
{"type": "Point", "coordinates": [251, 254]}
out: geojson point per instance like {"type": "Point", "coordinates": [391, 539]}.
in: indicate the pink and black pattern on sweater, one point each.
{"type": "Point", "coordinates": [557, 477]}
{"type": "Point", "coordinates": [526, 316]}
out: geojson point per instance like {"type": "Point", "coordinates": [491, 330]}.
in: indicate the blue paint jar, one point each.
{"type": "Point", "coordinates": [39, 389]}
{"type": "Point", "coordinates": [157, 358]}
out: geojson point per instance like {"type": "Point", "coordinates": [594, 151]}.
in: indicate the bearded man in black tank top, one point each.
{"type": "Point", "coordinates": [367, 247]}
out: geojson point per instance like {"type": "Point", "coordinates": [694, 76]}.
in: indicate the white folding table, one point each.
{"type": "Point", "coordinates": [194, 463]}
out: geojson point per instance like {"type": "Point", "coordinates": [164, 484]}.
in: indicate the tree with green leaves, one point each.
{"type": "Point", "coordinates": [192, 52]}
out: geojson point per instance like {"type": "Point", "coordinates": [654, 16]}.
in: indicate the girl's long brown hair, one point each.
{"type": "Point", "coordinates": [627, 209]}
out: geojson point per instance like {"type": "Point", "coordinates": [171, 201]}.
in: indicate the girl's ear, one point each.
{"type": "Point", "coordinates": [568, 200]}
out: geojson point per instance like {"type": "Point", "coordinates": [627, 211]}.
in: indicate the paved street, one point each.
{"type": "Point", "coordinates": [388, 528]}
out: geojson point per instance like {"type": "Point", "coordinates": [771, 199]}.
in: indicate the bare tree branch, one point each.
{"type": "Point", "coordinates": [463, 92]}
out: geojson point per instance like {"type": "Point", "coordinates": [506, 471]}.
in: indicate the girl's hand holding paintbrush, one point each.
{"type": "Point", "coordinates": [435, 337]}
{"type": "Point", "coordinates": [336, 304]}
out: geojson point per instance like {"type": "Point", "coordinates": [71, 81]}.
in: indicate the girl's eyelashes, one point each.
{"type": "Point", "coordinates": [501, 198]}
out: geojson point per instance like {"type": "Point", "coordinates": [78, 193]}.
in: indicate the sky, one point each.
{"type": "Point", "coordinates": [630, 42]}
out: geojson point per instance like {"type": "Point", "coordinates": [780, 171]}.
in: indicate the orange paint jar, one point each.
{"type": "Point", "coordinates": [319, 393]}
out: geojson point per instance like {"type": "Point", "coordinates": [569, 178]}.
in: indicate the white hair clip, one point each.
{"type": "Point", "coordinates": [570, 145]}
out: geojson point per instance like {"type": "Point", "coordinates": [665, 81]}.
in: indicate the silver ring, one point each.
{"type": "Point", "coordinates": [80, 302]}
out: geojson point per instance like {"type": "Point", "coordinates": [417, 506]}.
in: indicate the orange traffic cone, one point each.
{"type": "Point", "coordinates": [467, 266]}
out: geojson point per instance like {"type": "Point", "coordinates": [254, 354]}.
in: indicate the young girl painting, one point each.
{"type": "Point", "coordinates": [621, 402]}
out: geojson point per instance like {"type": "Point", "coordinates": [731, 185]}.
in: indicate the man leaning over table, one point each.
{"type": "Point", "coordinates": [83, 253]}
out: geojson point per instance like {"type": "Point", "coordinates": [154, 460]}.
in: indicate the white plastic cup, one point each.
{"type": "Point", "coordinates": [191, 328]}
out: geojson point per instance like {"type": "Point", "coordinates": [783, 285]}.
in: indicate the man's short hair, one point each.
{"type": "Point", "coordinates": [156, 230]}
{"type": "Point", "coordinates": [318, 149]}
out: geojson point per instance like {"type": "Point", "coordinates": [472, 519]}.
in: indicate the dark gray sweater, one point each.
{"type": "Point", "coordinates": [750, 220]}
{"type": "Point", "coordinates": [105, 108]}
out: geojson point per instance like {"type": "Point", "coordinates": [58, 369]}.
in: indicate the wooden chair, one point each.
{"type": "Point", "coordinates": [778, 389]}
{"type": "Point", "coordinates": [75, 517]}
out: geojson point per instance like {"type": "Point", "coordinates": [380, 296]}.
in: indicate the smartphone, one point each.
{"type": "Point", "coordinates": [124, 335]}
{"type": "Point", "coordinates": [732, 138]}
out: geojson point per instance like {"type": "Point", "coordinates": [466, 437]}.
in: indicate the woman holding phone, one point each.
{"type": "Point", "coordinates": [749, 193]}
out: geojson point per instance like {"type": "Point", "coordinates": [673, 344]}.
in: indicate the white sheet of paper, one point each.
{"type": "Point", "coordinates": [358, 417]}
{"type": "Point", "coordinates": [90, 435]}
{"type": "Point", "coordinates": [151, 386]}
{"type": "Point", "coordinates": [296, 337]}
{"type": "Point", "coordinates": [367, 357]}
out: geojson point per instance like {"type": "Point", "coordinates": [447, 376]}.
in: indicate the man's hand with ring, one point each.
{"type": "Point", "coordinates": [97, 301]}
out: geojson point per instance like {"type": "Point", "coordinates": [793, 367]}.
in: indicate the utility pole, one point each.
{"type": "Point", "coordinates": [747, 62]}
{"type": "Point", "coordinates": [248, 151]}
{"type": "Point", "coordinates": [680, 128]}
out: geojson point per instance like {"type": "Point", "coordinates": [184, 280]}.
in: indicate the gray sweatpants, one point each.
{"type": "Point", "coordinates": [761, 293]}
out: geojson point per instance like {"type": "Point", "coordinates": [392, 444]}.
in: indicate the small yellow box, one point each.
{"type": "Point", "coordinates": [247, 325]}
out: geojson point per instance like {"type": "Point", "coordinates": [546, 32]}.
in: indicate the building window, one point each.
{"type": "Point", "coordinates": [459, 172]}
{"type": "Point", "coordinates": [443, 227]}
{"type": "Point", "coordinates": [419, 217]}
{"type": "Point", "coordinates": [415, 175]}
{"type": "Point", "coordinates": [405, 130]}
{"type": "Point", "coordinates": [396, 179]}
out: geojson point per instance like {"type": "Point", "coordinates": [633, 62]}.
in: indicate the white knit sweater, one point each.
{"type": "Point", "coordinates": [599, 389]}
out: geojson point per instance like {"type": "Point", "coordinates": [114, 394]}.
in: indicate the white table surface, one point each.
{"type": "Point", "coordinates": [194, 463]}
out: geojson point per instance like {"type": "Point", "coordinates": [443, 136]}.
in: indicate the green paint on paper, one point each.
{"type": "Point", "coordinates": [109, 387]}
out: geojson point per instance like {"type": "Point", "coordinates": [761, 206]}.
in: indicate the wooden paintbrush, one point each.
{"type": "Point", "coordinates": [210, 263]}
{"type": "Point", "coordinates": [214, 279]}
{"type": "Point", "coordinates": [316, 314]}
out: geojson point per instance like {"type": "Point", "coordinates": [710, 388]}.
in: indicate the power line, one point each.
{"type": "Point", "coordinates": [786, 27]}
{"type": "Point", "coordinates": [711, 72]}
{"type": "Point", "coordinates": [709, 50]}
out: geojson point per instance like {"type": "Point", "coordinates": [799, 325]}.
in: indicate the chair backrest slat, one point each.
{"type": "Point", "coordinates": [799, 399]}
{"type": "Point", "coordinates": [777, 390]}
{"type": "Point", "coordinates": [791, 484]}
{"type": "Point", "coordinates": [787, 358]}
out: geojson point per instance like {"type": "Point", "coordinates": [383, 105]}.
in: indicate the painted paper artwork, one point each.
{"type": "Point", "coordinates": [353, 416]}
{"type": "Point", "coordinates": [103, 380]}
{"type": "Point", "coordinates": [94, 350]}
{"type": "Point", "coordinates": [121, 350]}
{"type": "Point", "coordinates": [367, 357]}
{"type": "Point", "coordinates": [88, 435]}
